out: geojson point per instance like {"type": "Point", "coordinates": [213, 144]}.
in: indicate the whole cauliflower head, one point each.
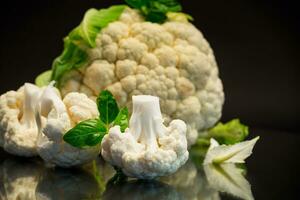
{"type": "Point", "coordinates": [171, 60]}
{"type": "Point", "coordinates": [147, 149]}
{"type": "Point", "coordinates": [59, 116]}
{"type": "Point", "coordinates": [18, 129]}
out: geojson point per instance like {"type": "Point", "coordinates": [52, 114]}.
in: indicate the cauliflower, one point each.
{"type": "Point", "coordinates": [18, 129]}
{"type": "Point", "coordinates": [171, 60]}
{"type": "Point", "coordinates": [57, 117]}
{"type": "Point", "coordinates": [147, 149]}
{"type": "Point", "coordinates": [236, 153]}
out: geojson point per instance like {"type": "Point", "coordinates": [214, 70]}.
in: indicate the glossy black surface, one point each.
{"type": "Point", "coordinates": [272, 171]}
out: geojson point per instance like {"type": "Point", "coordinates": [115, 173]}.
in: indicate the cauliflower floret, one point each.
{"type": "Point", "coordinates": [59, 116]}
{"type": "Point", "coordinates": [18, 130]}
{"type": "Point", "coordinates": [171, 60]}
{"type": "Point", "coordinates": [147, 149]}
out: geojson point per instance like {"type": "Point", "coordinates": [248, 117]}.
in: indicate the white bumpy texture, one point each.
{"type": "Point", "coordinates": [147, 149]}
{"type": "Point", "coordinates": [171, 60]}
{"type": "Point", "coordinates": [57, 118]}
{"type": "Point", "coordinates": [18, 130]}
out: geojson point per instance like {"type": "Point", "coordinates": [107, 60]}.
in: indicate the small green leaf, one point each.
{"type": "Point", "coordinates": [138, 4]}
{"type": "Point", "coordinates": [86, 134]}
{"type": "Point", "coordinates": [122, 119]}
{"type": "Point", "coordinates": [165, 6]}
{"type": "Point", "coordinates": [155, 10]}
{"type": "Point", "coordinates": [229, 133]}
{"type": "Point", "coordinates": [157, 17]}
{"type": "Point", "coordinates": [44, 78]}
{"type": "Point", "coordinates": [107, 106]}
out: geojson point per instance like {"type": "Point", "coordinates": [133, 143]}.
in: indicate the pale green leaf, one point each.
{"type": "Point", "coordinates": [236, 153]}
{"type": "Point", "coordinates": [43, 79]}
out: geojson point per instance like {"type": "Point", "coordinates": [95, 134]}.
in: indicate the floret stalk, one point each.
{"type": "Point", "coordinates": [31, 97]}
{"type": "Point", "coordinates": [146, 122]}
{"type": "Point", "coordinates": [50, 100]}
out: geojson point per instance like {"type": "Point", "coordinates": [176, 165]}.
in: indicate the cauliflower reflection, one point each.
{"type": "Point", "coordinates": [18, 179]}
{"type": "Point", "coordinates": [228, 178]}
{"type": "Point", "coordinates": [192, 183]}
{"type": "Point", "coordinates": [146, 190]}
{"type": "Point", "coordinates": [31, 180]}
{"type": "Point", "coordinates": [67, 184]}
{"type": "Point", "coordinates": [206, 182]}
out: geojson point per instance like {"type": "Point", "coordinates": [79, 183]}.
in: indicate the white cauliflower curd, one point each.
{"type": "Point", "coordinates": [147, 149]}
{"type": "Point", "coordinates": [57, 117]}
{"type": "Point", "coordinates": [171, 60]}
{"type": "Point", "coordinates": [18, 129]}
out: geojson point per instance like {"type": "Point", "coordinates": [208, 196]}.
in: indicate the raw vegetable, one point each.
{"type": "Point", "coordinates": [90, 132]}
{"type": "Point", "coordinates": [126, 52]}
{"type": "Point", "coordinates": [56, 117]}
{"type": "Point", "coordinates": [236, 153]}
{"type": "Point", "coordinates": [18, 129]}
{"type": "Point", "coordinates": [147, 149]}
{"type": "Point", "coordinates": [229, 133]}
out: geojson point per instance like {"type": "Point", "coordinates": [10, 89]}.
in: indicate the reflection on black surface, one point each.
{"type": "Point", "coordinates": [146, 190]}
{"type": "Point", "coordinates": [18, 179]}
{"type": "Point", "coordinates": [206, 182]}
{"type": "Point", "coordinates": [228, 178]}
{"type": "Point", "coordinates": [192, 183]}
{"type": "Point", "coordinates": [67, 184]}
{"type": "Point", "coordinates": [22, 179]}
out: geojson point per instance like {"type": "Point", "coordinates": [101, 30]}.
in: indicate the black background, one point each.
{"type": "Point", "coordinates": [255, 41]}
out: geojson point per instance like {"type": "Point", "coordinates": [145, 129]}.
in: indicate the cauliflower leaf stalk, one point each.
{"type": "Point", "coordinates": [228, 133]}
{"type": "Point", "coordinates": [237, 153]}
{"type": "Point", "coordinates": [148, 149]}
{"type": "Point", "coordinates": [90, 132]}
